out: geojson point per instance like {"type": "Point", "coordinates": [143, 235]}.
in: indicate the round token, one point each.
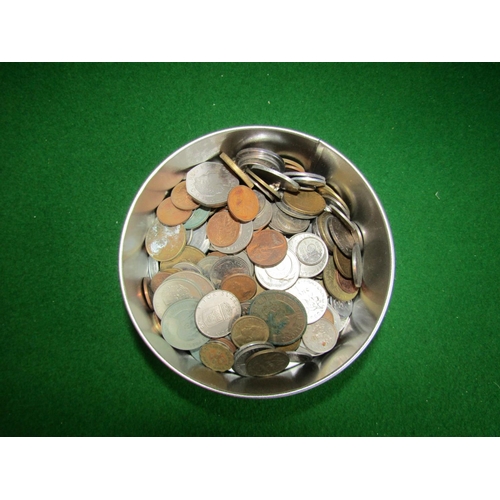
{"type": "Point", "coordinates": [343, 263]}
{"type": "Point", "coordinates": [226, 266]}
{"type": "Point", "coordinates": [313, 297]}
{"type": "Point", "coordinates": [170, 215]}
{"type": "Point", "coordinates": [267, 248]}
{"type": "Point", "coordinates": [222, 229]}
{"type": "Point", "coordinates": [217, 356]}
{"type": "Point", "coordinates": [179, 328]}
{"type": "Point", "coordinates": [331, 281]}
{"type": "Point", "coordinates": [284, 314]}
{"type": "Point", "coordinates": [216, 312]}
{"type": "Point", "coordinates": [243, 204]}
{"type": "Point", "coordinates": [320, 336]}
{"type": "Point", "coordinates": [242, 354]}
{"type": "Point", "coordinates": [188, 254]}
{"type": "Point", "coordinates": [242, 241]}
{"type": "Point", "coordinates": [305, 202]}
{"type": "Point", "coordinates": [172, 290]}
{"type": "Point", "coordinates": [282, 275]}
{"type": "Point", "coordinates": [266, 363]}
{"type": "Point", "coordinates": [244, 287]}
{"type": "Point", "coordinates": [165, 242]}
{"type": "Point", "coordinates": [249, 329]}
{"type": "Point", "coordinates": [181, 198]}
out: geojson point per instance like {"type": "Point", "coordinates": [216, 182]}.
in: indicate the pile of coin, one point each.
{"type": "Point", "coordinates": [254, 264]}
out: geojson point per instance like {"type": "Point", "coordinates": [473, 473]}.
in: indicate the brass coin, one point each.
{"type": "Point", "coordinates": [243, 203]}
{"type": "Point", "coordinates": [217, 356]}
{"type": "Point", "coordinates": [160, 277]}
{"type": "Point", "coordinates": [249, 329]}
{"type": "Point", "coordinates": [267, 248]}
{"type": "Point", "coordinates": [188, 254]}
{"type": "Point", "coordinates": [165, 242]}
{"type": "Point", "coordinates": [170, 215]}
{"type": "Point", "coordinates": [305, 202]}
{"type": "Point", "coordinates": [289, 347]}
{"type": "Point", "coordinates": [181, 198]}
{"type": "Point", "coordinates": [241, 285]}
{"type": "Point", "coordinates": [222, 229]}
{"type": "Point", "coordinates": [284, 314]}
{"type": "Point", "coordinates": [343, 263]}
{"type": "Point", "coordinates": [346, 284]}
{"type": "Point", "coordinates": [331, 283]}
{"type": "Point", "coordinates": [266, 363]}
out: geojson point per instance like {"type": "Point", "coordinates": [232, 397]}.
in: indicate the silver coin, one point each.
{"type": "Point", "coordinates": [320, 336]}
{"type": "Point", "coordinates": [206, 264]}
{"type": "Point", "coordinates": [199, 238]}
{"type": "Point", "coordinates": [262, 200]}
{"type": "Point", "coordinates": [242, 241]}
{"type": "Point", "coordinates": [357, 265]}
{"type": "Point", "coordinates": [358, 235]}
{"type": "Point", "coordinates": [179, 328]}
{"type": "Point", "coordinates": [303, 350]}
{"type": "Point", "coordinates": [279, 277]}
{"type": "Point", "coordinates": [312, 296]}
{"type": "Point", "coordinates": [344, 308]}
{"type": "Point", "coordinates": [172, 290]}
{"type": "Point", "coordinates": [187, 266]}
{"type": "Point", "coordinates": [209, 183]}
{"type": "Point", "coordinates": [340, 323]}
{"type": "Point", "coordinates": [243, 255]}
{"type": "Point", "coordinates": [264, 216]}
{"type": "Point", "coordinates": [226, 266]}
{"type": "Point", "coordinates": [249, 156]}
{"type": "Point", "coordinates": [244, 352]}
{"type": "Point", "coordinates": [216, 312]}
{"type": "Point", "coordinates": [204, 284]}
{"type": "Point", "coordinates": [272, 176]}
{"type": "Point", "coordinates": [312, 253]}
{"type": "Point", "coordinates": [307, 179]}
{"type": "Point", "coordinates": [153, 266]}
{"type": "Point", "coordinates": [287, 224]}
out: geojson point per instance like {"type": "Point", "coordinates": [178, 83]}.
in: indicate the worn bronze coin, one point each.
{"type": "Point", "coordinates": [249, 329]}
{"type": "Point", "coordinates": [217, 356]}
{"type": "Point", "coordinates": [165, 242]}
{"type": "Point", "coordinates": [242, 285]}
{"type": "Point", "coordinates": [170, 215]}
{"type": "Point", "coordinates": [188, 254]}
{"type": "Point", "coordinates": [222, 229]}
{"type": "Point", "coordinates": [266, 363]}
{"type": "Point", "coordinates": [305, 202]}
{"type": "Point", "coordinates": [343, 263]}
{"type": "Point", "coordinates": [289, 347]}
{"type": "Point", "coordinates": [243, 203]}
{"type": "Point", "coordinates": [346, 284]}
{"type": "Point", "coordinates": [267, 248]}
{"type": "Point", "coordinates": [331, 282]}
{"type": "Point", "coordinates": [284, 314]}
{"type": "Point", "coordinates": [182, 199]}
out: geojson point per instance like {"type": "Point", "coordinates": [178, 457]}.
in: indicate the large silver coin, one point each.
{"type": "Point", "coordinates": [209, 183]}
{"type": "Point", "coordinates": [206, 264]}
{"type": "Point", "coordinates": [321, 336]}
{"type": "Point", "coordinates": [179, 328]}
{"type": "Point", "coordinates": [172, 290]}
{"type": "Point", "coordinates": [245, 351]}
{"type": "Point", "coordinates": [281, 276]}
{"type": "Point", "coordinates": [312, 296]}
{"type": "Point", "coordinates": [216, 312]}
{"type": "Point", "coordinates": [264, 216]}
{"type": "Point", "coordinates": [242, 241]}
{"type": "Point", "coordinates": [204, 284]}
{"type": "Point", "coordinates": [226, 266]}
{"type": "Point", "coordinates": [312, 253]}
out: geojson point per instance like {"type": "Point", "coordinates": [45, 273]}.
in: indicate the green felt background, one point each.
{"type": "Point", "coordinates": [78, 140]}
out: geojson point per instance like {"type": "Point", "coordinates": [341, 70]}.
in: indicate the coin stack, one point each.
{"type": "Point", "coordinates": [254, 264]}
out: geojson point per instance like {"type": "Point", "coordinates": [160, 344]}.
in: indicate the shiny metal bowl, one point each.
{"type": "Point", "coordinates": [370, 305]}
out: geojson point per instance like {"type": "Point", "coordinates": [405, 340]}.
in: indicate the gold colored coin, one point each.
{"type": "Point", "coordinates": [217, 356]}
{"type": "Point", "coordinates": [249, 329]}
{"type": "Point", "coordinates": [266, 363]}
{"type": "Point", "coordinates": [305, 202]}
{"type": "Point", "coordinates": [165, 242]}
{"type": "Point", "coordinates": [331, 282]}
{"type": "Point", "coordinates": [181, 198]}
{"type": "Point", "coordinates": [188, 254]}
{"type": "Point", "coordinates": [343, 263]}
{"type": "Point", "coordinates": [289, 347]}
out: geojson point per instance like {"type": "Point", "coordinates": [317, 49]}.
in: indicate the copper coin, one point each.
{"type": "Point", "coordinates": [181, 198]}
{"type": "Point", "coordinates": [222, 229]}
{"type": "Point", "coordinates": [267, 248]}
{"type": "Point", "coordinates": [343, 263]}
{"type": "Point", "coordinates": [170, 215]}
{"type": "Point", "coordinates": [266, 363]}
{"type": "Point", "coordinates": [249, 329]}
{"type": "Point", "coordinates": [243, 203]}
{"type": "Point", "coordinates": [346, 284]}
{"type": "Point", "coordinates": [242, 285]}
{"type": "Point", "coordinates": [216, 356]}
{"type": "Point", "coordinates": [305, 202]}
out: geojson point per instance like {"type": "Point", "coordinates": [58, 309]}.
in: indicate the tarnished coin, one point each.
{"type": "Point", "coordinates": [313, 297]}
{"type": "Point", "coordinates": [343, 263]}
{"type": "Point", "coordinates": [266, 363]}
{"type": "Point", "coordinates": [249, 329]}
{"type": "Point", "coordinates": [357, 266]}
{"type": "Point", "coordinates": [243, 204]}
{"type": "Point", "coordinates": [331, 278]}
{"type": "Point", "coordinates": [198, 218]}
{"type": "Point", "coordinates": [341, 234]}
{"type": "Point", "coordinates": [242, 241]}
{"type": "Point", "coordinates": [170, 215]}
{"type": "Point", "coordinates": [305, 202]}
{"type": "Point", "coordinates": [282, 275]}
{"type": "Point", "coordinates": [244, 287]}
{"type": "Point", "coordinates": [244, 352]}
{"type": "Point", "coordinates": [147, 292]}
{"type": "Point", "coordinates": [222, 229]}
{"type": "Point", "coordinates": [289, 347]}
{"type": "Point", "coordinates": [204, 284]}
{"type": "Point", "coordinates": [160, 277]}
{"type": "Point", "coordinates": [209, 183]}
{"type": "Point", "coordinates": [286, 223]}
{"type": "Point", "coordinates": [284, 314]}
{"type": "Point", "coordinates": [216, 312]}
{"type": "Point", "coordinates": [267, 248]}
{"type": "Point", "coordinates": [179, 328]}
{"type": "Point", "coordinates": [207, 263]}
{"type": "Point", "coordinates": [345, 284]}
{"type": "Point", "coordinates": [217, 356]}
{"type": "Point", "coordinates": [172, 290]}
{"type": "Point", "coordinates": [334, 199]}
{"type": "Point", "coordinates": [165, 242]}
{"type": "Point", "coordinates": [226, 266]}
{"type": "Point", "coordinates": [188, 254]}
{"type": "Point", "coordinates": [321, 336]}
{"type": "Point", "coordinates": [181, 198]}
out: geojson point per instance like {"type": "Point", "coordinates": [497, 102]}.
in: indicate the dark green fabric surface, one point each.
{"type": "Point", "coordinates": [78, 140]}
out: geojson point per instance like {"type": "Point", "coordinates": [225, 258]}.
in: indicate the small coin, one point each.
{"type": "Point", "coordinates": [179, 328]}
{"type": "Point", "coordinates": [244, 352]}
{"type": "Point", "coordinates": [286, 223]}
{"type": "Point", "coordinates": [165, 242]}
{"type": "Point", "coordinates": [320, 336]}
{"type": "Point", "coordinates": [305, 202]}
{"type": "Point", "coordinates": [209, 183]}
{"type": "Point", "coordinates": [216, 312]}
{"type": "Point", "coordinates": [343, 263]}
{"type": "Point", "coordinates": [170, 215]}
{"type": "Point", "coordinates": [181, 198]}
{"type": "Point", "coordinates": [222, 229]}
{"type": "Point", "coordinates": [217, 356]}
{"type": "Point", "coordinates": [226, 266]}
{"type": "Point", "coordinates": [267, 248]}
{"type": "Point", "coordinates": [242, 241]}
{"type": "Point", "coordinates": [266, 363]}
{"type": "Point", "coordinates": [284, 314]}
{"type": "Point", "coordinates": [242, 286]}
{"type": "Point", "coordinates": [188, 254]}
{"type": "Point", "coordinates": [249, 329]}
{"type": "Point", "coordinates": [313, 297]}
{"type": "Point", "coordinates": [173, 290]}
{"type": "Point", "coordinates": [243, 203]}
